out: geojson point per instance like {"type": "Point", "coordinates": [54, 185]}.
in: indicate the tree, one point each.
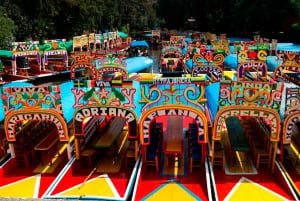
{"type": "Point", "coordinates": [7, 30]}
{"type": "Point", "coordinates": [50, 19]}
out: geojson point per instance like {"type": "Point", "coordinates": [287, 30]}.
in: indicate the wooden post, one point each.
{"type": "Point", "coordinates": [274, 156]}
{"type": "Point", "coordinates": [77, 148]}
{"type": "Point", "coordinates": [144, 152]}
{"type": "Point", "coordinates": [204, 152]}
{"type": "Point", "coordinates": [136, 149]}
{"type": "Point", "coordinates": [212, 152]}
{"type": "Point", "coordinates": [12, 150]}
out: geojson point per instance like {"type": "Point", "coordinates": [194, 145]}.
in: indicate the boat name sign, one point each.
{"type": "Point", "coordinates": [26, 53]}
{"type": "Point", "coordinates": [175, 80]}
{"type": "Point", "coordinates": [172, 112]}
{"type": "Point", "coordinates": [81, 114]}
{"type": "Point", "coordinates": [43, 116]}
{"type": "Point", "coordinates": [55, 52]}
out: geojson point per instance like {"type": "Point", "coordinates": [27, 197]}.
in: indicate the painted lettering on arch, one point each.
{"type": "Point", "coordinates": [19, 117]}
{"type": "Point", "coordinates": [86, 112]}
{"type": "Point", "coordinates": [172, 112]}
{"type": "Point", "coordinates": [271, 118]}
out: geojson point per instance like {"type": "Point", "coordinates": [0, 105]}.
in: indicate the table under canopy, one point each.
{"type": "Point", "coordinates": [174, 135]}
{"type": "Point", "coordinates": [236, 134]}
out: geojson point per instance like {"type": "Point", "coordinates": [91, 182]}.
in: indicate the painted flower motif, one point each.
{"type": "Point", "coordinates": [41, 95]}
{"type": "Point", "coordinates": [4, 97]}
{"type": "Point", "coordinates": [48, 102]}
{"type": "Point", "coordinates": [57, 96]}
{"type": "Point", "coordinates": [19, 96]}
{"type": "Point", "coordinates": [14, 102]}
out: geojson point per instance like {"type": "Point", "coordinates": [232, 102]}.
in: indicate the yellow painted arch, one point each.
{"type": "Point", "coordinates": [54, 115]}
{"type": "Point", "coordinates": [78, 125]}
{"type": "Point", "coordinates": [251, 111]}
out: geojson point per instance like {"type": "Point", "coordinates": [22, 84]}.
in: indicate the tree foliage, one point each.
{"type": "Point", "coordinates": [7, 29]}
{"type": "Point", "coordinates": [48, 19]}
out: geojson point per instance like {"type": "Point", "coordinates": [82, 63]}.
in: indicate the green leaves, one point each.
{"type": "Point", "coordinates": [118, 94]}
{"type": "Point", "coordinates": [23, 19]}
{"type": "Point", "coordinates": [7, 29]}
{"type": "Point", "coordinates": [88, 94]}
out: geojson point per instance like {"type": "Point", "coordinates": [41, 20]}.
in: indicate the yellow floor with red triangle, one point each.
{"type": "Point", "coordinates": [105, 186]}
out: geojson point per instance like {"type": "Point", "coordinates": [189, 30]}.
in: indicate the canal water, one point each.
{"type": "Point", "coordinates": [155, 55]}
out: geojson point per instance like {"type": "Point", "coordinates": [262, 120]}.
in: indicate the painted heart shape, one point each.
{"type": "Point", "coordinates": [208, 57]}
{"type": "Point", "coordinates": [252, 55]}
{"type": "Point", "coordinates": [54, 45]}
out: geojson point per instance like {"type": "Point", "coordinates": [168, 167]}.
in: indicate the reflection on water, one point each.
{"type": "Point", "coordinates": [155, 55]}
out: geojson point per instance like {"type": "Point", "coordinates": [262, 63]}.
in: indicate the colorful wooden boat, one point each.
{"type": "Point", "coordinates": [171, 57]}
{"type": "Point", "coordinates": [138, 48]}
{"type": "Point", "coordinates": [149, 137]}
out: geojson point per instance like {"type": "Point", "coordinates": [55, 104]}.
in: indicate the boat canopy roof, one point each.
{"type": "Point", "coordinates": [6, 53]}
{"type": "Point", "coordinates": [171, 50]}
{"type": "Point", "coordinates": [122, 34]}
{"type": "Point", "coordinates": [139, 43]}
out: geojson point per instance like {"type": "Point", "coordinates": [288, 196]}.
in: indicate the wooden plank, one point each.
{"type": "Point", "coordinates": [48, 142]}
{"type": "Point", "coordinates": [112, 133]}
{"type": "Point", "coordinates": [174, 135]}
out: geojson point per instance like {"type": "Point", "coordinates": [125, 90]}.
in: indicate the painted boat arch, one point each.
{"type": "Point", "coordinates": [251, 51]}
{"type": "Point", "coordinates": [181, 110]}
{"type": "Point", "coordinates": [289, 122]}
{"type": "Point", "coordinates": [252, 65]}
{"type": "Point", "coordinates": [200, 69]}
{"type": "Point", "coordinates": [279, 71]}
{"type": "Point", "coordinates": [268, 114]}
{"type": "Point", "coordinates": [90, 111]}
{"type": "Point", "coordinates": [112, 69]}
{"type": "Point", "coordinates": [33, 103]}
{"type": "Point", "coordinates": [249, 111]}
{"type": "Point", "coordinates": [86, 66]}
{"type": "Point", "coordinates": [169, 50]}
{"type": "Point", "coordinates": [35, 114]}
{"type": "Point", "coordinates": [55, 47]}
{"type": "Point", "coordinates": [208, 56]}
{"type": "Point", "coordinates": [111, 64]}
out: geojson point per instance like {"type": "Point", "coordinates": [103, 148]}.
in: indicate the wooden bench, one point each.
{"type": "Point", "coordinates": [88, 154]}
{"type": "Point", "coordinates": [296, 142]}
{"type": "Point", "coordinates": [130, 157]}
{"type": "Point", "coordinates": [260, 144]}
{"type": "Point", "coordinates": [262, 156]}
{"type": "Point", "coordinates": [24, 158]}
{"type": "Point", "coordinates": [219, 156]}
{"type": "Point", "coordinates": [88, 157]}
{"type": "Point", "coordinates": [48, 146]}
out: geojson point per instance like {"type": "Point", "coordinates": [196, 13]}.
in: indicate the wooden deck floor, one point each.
{"type": "Point", "coordinates": [242, 164]}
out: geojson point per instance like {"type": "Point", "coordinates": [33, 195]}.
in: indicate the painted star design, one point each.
{"type": "Point", "coordinates": [103, 93]}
